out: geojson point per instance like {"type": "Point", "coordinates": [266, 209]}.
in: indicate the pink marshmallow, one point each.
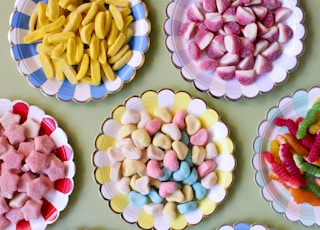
{"type": "Point", "coordinates": [223, 5]}
{"type": "Point", "coordinates": [187, 30]}
{"type": "Point", "coordinates": [206, 167]}
{"type": "Point", "coordinates": [229, 59]}
{"type": "Point", "coordinates": [272, 35]}
{"type": "Point", "coordinates": [281, 14]}
{"type": "Point", "coordinates": [193, 50]}
{"type": "Point", "coordinates": [247, 48]}
{"type": "Point", "coordinates": [203, 38]}
{"type": "Point", "coordinates": [250, 31]}
{"type": "Point", "coordinates": [167, 188]}
{"type": "Point", "coordinates": [213, 23]}
{"type": "Point", "coordinates": [271, 4]}
{"type": "Point", "coordinates": [194, 14]}
{"type": "Point", "coordinates": [153, 126]}
{"type": "Point", "coordinates": [246, 63]}
{"type": "Point", "coordinates": [226, 72]}
{"type": "Point", "coordinates": [178, 119]}
{"type": "Point", "coordinates": [246, 77]}
{"type": "Point", "coordinates": [200, 138]}
{"type": "Point", "coordinates": [268, 20]}
{"type": "Point", "coordinates": [232, 28]}
{"type": "Point", "coordinates": [262, 65]}
{"type": "Point", "coordinates": [260, 11]}
{"type": "Point", "coordinates": [170, 160]}
{"type": "Point", "coordinates": [285, 33]}
{"type": "Point", "coordinates": [272, 52]}
{"type": "Point", "coordinates": [208, 65]}
{"type": "Point", "coordinates": [209, 5]}
{"type": "Point", "coordinates": [245, 15]}
{"type": "Point", "coordinates": [232, 43]}
{"type": "Point", "coordinates": [153, 169]}
{"type": "Point", "coordinates": [260, 46]}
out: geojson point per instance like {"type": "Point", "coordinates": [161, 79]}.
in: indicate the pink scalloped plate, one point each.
{"type": "Point", "coordinates": [54, 201]}
{"type": "Point", "coordinates": [210, 82]}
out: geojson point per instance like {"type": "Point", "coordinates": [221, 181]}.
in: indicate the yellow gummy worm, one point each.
{"type": "Point", "coordinates": [54, 25]}
{"type": "Point", "coordinates": [58, 70]}
{"type": "Point", "coordinates": [69, 72]}
{"type": "Point", "coordinates": [117, 16]}
{"type": "Point", "coordinates": [79, 49]}
{"type": "Point", "coordinates": [53, 10]}
{"type": "Point", "coordinates": [86, 32]}
{"type": "Point", "coordinates": [91, 14]}
{"type": "Point", "coordinates": [47, 65]}
{"type": "Point", "coordinates": [122, 61]}
{"type": "Point", "coordinates": [119, 3]}
{"type": "Point", "coordinates": [100, 25]}
{"type": "Point", "coordinates": [83, 67]}
{"type": "Point", "coordinates": [34, 36]}
{"type": "Point", "coordinates": [113, 33]}
{"type": "Point", "coordinates": [103, 51]}
{"type": "Point", "coordinates": [95, 70]}
{"type": "Point", "coordinates": [42, 18]}
{"type": "Point", "coordinates": [73, 22]}
{"type": "Point", "coordinates": [108, 71]}
{"type": "Point", "coordinates": [94, 47]}
{"type": "Point", "coordinates": [58, 50]}
{"type": "Point", "coordinates": [33, 21]}
{"type": "Point", "coordinates": [118, 43]}
{"type": "Point", "coordinates": [120, 53]}
{"type": "Point", "coordinates": [60, 37]}
{"type": "Point", "coordinates": [71, 50]}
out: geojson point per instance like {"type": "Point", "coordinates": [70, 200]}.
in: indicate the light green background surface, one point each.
{"type": "Point", "coordinates": [82, 123]}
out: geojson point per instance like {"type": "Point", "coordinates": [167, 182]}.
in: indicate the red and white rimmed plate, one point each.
{"type": "Point", "coordinates": [29, 64]}
{"type": "Point", "coordinates": [55, 201]}
{"type": "Point", "coordinates": [280, 199]}
{"type": "Point", "coordinates": [243, 226]}
{"type": "Point", "coordinates": [174, 101]}
{"type": "Point", "coordinates": [210, 82]}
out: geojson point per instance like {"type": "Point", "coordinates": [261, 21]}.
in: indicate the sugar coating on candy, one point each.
{"type": "Point", "coordinates": [165, 173]}
{"type": "Point", "coordinates": [226, 33]}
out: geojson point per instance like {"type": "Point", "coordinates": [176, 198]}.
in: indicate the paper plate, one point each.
{"type": "Point", "coordinates": [174, 101]}
{"type": "Point", "coordinates": [280, 199]}
{"type": "Point", "coordinates": [55, 201]}
{"type": "Point", "coordinates": [210, 82]}
{"type": "Point", "coordinates": [243, 226]}
{"type": "Point", "coordinates": [29, 65]}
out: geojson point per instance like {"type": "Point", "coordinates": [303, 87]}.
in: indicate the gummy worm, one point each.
{"type": "Point", "coordinates": [315, 148]}
{"type": "Point", "coordinates": [309, 120]}
{"type": "Point", "coordinates": [306, 167]}
{"type": "Point", "coordinates": [295, 144]}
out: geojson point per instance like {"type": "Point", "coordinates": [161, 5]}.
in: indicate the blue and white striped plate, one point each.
{"type": "Point", "coordinates": [243, 226]}
{"type": "Point", "coordinates": [29, 64]}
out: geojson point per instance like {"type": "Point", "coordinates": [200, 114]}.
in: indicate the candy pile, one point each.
{"type": "Point", "coordinates": [82, 41]}
{"type": "Point", "coordinates": [236, 38]}
{"type": "Point", "coordinates": [29, 168]}
{"type": "Point", "coordinates": [163, 162]}
{"type": "Point", "coordinates": [294, 156]}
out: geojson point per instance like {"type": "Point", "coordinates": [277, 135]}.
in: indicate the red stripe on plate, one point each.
{"type": "Point", "coordinates": [48, 211]}
{"type": "Point", "coordinates": [64, 185]}
{"type": "Point", "coordinates": [22, 109]}
{"type": "Point", "coordinates": [48, 125]}
{"type": "Point", "coordinates": [64, 153]}
{"type": "Point", "coordinates": [23, 225]}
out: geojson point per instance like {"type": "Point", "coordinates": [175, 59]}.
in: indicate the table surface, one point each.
{"type": "Point", "coordinates": [82, 122]}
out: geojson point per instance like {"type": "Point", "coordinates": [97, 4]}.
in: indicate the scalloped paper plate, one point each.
{"type": "Point", "coordinates": [29, 64]}
{"type": "Point", "coordinates": [280, 199]}
{"type": "Point", "coordinates": [174, 101]}
{"type": "Point", "coordinates": [56, 201]}
{"type": "Point", "coordinates": [232, 89]}
{"type": "Point", "coordinates": [243, 226]}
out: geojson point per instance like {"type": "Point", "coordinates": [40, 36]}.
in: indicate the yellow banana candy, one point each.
{"type": "Point", "coordinates": [47, 65]}
{"type": "Point", "coordinates": [122, 61]}
{"type": "Point", "coordinates": [119, 3]}
{"type": "Point", "coordinates": [83, 67]}
{"type": "Point", "coordinates": [100, 25]}
{"type": "Point", "coordinates": [117, 16]}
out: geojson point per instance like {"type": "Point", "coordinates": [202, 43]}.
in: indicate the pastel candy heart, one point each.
{"type": "Point", "coordinates": [126, 130]}
{"type": "Point", "coordinates": [137, 199]}
{"type": "Point", "coordinates": [198, 154]}
{"type": "Point", "coordinates": [199, 191]}
{"type": "Point", "coordinates": [193, 124]}
{"type": "Point", "coordinates": [185, 138]}
{"type": "Point", "coordinates": [209, 180]}
{"type": "Point", "coordinates": [162, 141]}
{"type": "Point", "coordinates": [153, 169]}
{"type": "Point", "coordinates": [170, 160]}
{"type": "Point", "coordinates": [130, 117]}
{"type": "Point", "coordinates": [141, 137]}
{"type": "Point", "coordinates": [167, 188]}
{"type": "Point", "coordinates": [206, 167]}
{"type": "Point", "coordinates": [172, 130]}
{"type": "Point", "coordinates": [163, 114]}
{"type": "Point", "coordinates": [144, 119]}
{"type": "Point", "coordinates": [169, 210]}
{"type": "Point", "coordinates": [123, 185]}
{"type": "Point", "coordinates": [187, 191]}
{"type": "Point", "coordinates": [142, 185]}
{"type": "Point", "coordinates": [179, 119]}
{"type": "Point", "coordinates": [183, 172]}
{"type": "Point", "coordinates": [184, 208]}
{"type": "Point", "coordinates": [199, 138]}
{"type": "Point", "coordinates": [154, 196]}
{"type": "Point", "coordinates": [153, 126]}
{"type": "Point", "coordinates": [177, 196]}
{"type": "Point", "coordinates": [166, 174]}
{"type": "Point", "coordinates": [212, 151]}
{"type": "Point", "coordinates": [192, 178]}
{"type": "Point", "coordinates": [181, 149]}
{"type": "Point", "coordinates": [153, 209]}
{"type": "Point", "coordinates": [155, 153]}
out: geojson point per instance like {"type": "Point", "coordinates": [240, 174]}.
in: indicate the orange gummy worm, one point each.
{"type": "Point", "coordinates": [295, 145]}
{"type": "Point", "coordinates": [302, 196]}
{"type": "Point", "coordinates": [275, 177]}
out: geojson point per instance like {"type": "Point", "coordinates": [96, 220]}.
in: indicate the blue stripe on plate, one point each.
{"type": "Point", "coordinates": [242, 226]}
{"type": "Point", "coordinates": [22, 51]}
{"type": "Point", "coordinates": [37, 78]}
{"type": "Point", "coordinates": [138, 12]}
{"type": "Point", "coordinates": [139, 43]}
{"type": "Point", "coordinates": [66, 91]}
{"type": "Point", "coordinates": [20, 20]}
{"type": "Point", "coordinates": [125, 73]}
{"type": "Point", "coordinates": [36, 1]}
{"type": "Point", "coordinates": [98, 92]}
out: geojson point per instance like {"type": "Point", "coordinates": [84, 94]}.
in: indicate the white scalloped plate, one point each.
{"type": "Point", "coordinates": [56, 201]}
{"type": "Point", "coordinates": [280, 199]}
{"type": "Point", "coordinates": [29, 64]}
{"type": "Point", "coordinates": [174, 101]}
{"type": "Point", "coordinates": [231, 89]}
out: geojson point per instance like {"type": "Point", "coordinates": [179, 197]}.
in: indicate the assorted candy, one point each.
{"type": "Point", "coordinates": [29, 168]}
{"type": "Point", "coordinates": [82, 41]}
{"type": "Point", "coordinates": [236, 38]}
{"type": "Point", "coordinates": [294, 156]}
{"type": "Point", "coordinates": [163, 161]}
